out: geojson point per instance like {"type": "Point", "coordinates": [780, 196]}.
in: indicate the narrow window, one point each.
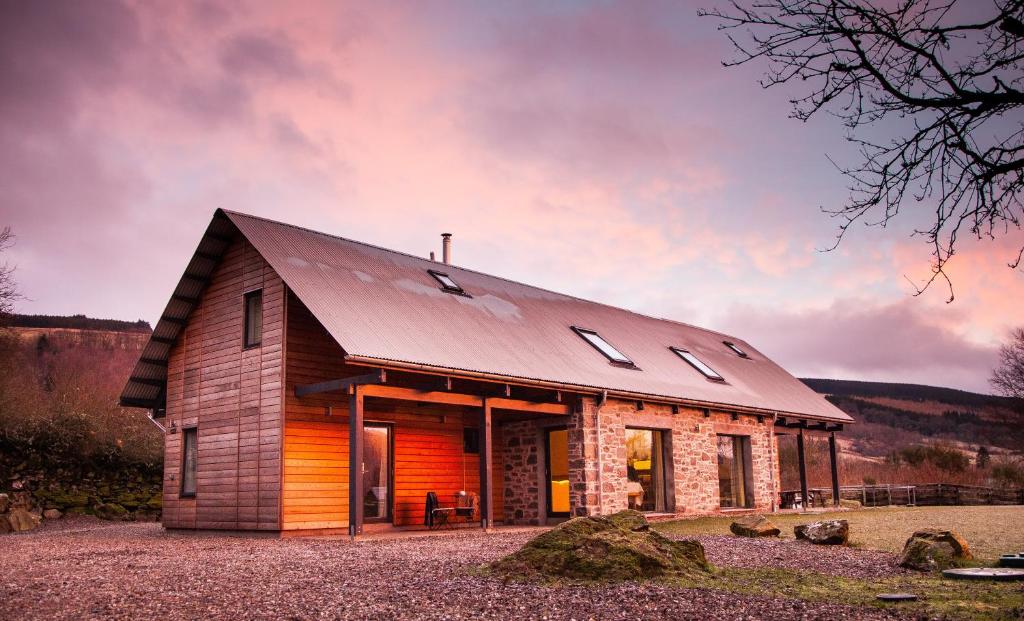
{"type": "Point", "coordinates": [698, 364]}
{"type": "Point", "coordinates": [188, 462]}
{"type": "Point", "coordinates": [253, 318]}
{"type": "Point", "coordinates": [645, 470]}
{"type": "Point", "coordinates": [739, 352]}
{"type": "Point", "coordinates": [471, 440]}
{"type": "Point", "coordinates": [447, 283]}
{"type": "Point", "coordinates": [735, 478]}
{"type": "Point", "coordinates": [603, 346]}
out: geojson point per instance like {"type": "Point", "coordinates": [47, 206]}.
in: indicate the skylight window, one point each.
{"type": "Point", "coordinates": [736, 350]}
{"type": "Point", "coordinates": [446, 282]}
{"type": "Point", "coordinates": [698, 364]}
{"type": "Point", "coordinates": [603, 346]}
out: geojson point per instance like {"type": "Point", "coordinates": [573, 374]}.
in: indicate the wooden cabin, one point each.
{"type": "Point", "coordinates": [313, 384]}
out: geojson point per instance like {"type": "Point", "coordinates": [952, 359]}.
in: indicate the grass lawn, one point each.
{"type": "Point", "coordinates": [989, 531]}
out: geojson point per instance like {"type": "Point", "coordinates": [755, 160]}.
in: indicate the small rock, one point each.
{"type": "Point", "coordinates": [932, 549]}
{"type": "Point", "coordinates": [5, 524]}
{"type": "Point", "coordinates": [5, 503]}
{"type": "Point", "coordinates": [52, 514]}
{"type": "Point", "coordinates": [21, 520]}
{"type": "Point", "coordinates": [754, 526]}
{"type": "Point", "coordinates": [827, 532]}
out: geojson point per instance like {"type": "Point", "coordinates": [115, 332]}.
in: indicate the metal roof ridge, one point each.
{"type": "Point", "coordinates": [478, 272]}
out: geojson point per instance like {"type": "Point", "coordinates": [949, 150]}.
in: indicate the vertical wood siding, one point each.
{"type": "Point", "coordinates": [233, 395]}
{"type": "Point", "coordinates": [427, 440]}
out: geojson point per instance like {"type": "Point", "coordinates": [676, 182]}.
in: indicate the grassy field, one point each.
{"type": "Point", "coordinates": [989, 531]}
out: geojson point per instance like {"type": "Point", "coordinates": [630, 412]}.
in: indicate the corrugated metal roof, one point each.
{"type": "Point", "coordinates": [384, 305]}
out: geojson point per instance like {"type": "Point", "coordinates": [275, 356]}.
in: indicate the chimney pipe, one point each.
{"type": "Point", "coordinates": [446, 248]}
{"type": "Point", "coordinates": [432, 259]}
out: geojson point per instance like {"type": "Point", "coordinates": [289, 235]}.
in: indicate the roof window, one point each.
{"type": "Point", "coordinates": [698, 364]}
{"type": "Point", "coordinates": [446, 282]}
{"type": "Point", "coordinates": [603, 346]}
{"type": "Point", "coordinates": [736, 350]}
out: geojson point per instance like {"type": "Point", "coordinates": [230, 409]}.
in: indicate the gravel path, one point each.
{"type": "Point", "coordinates": [82, 568]}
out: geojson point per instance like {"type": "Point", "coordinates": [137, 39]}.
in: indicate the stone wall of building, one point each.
{"type": "Point", "coordinates": [693, 438]}
{"type": "Point", "coordinates": [584, 472]}
{"type": "Point", "coordinates": [522, 452]}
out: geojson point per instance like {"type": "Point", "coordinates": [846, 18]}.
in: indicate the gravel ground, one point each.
{"type": "Point", "coordinates": [83, 568]}
{"type": "Point", "coordinates": [728, 551]}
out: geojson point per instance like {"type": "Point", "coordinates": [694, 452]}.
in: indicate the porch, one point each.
{"type": "Point", "coordinates": [363, 452]}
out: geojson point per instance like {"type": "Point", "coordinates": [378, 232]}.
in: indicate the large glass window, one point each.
{"type": "Point", "coordinates": [189, 461]}
{"type": "Point", "coordinates": [253, 318]}
{"type": "Point", "coordinates": [734, 475]}
{"type": "Point", "coordinates": [645, 470]}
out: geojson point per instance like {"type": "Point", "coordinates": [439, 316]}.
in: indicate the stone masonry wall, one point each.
{"type": "Point", "coordinates": [694, 453]}
{"type": "Point", "coordinates": [521, 454]}
{"type": "Point", "coordinates": [584, 475]}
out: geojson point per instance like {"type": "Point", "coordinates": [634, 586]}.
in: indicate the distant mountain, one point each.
{"type": "Point", "coordinates": [79, 322]}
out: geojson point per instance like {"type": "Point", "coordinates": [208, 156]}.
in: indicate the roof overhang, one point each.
{"type": "Point", "coordinates": [147, 384]}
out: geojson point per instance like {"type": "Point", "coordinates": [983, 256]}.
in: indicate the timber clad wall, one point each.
{"type": "Point", "coordinates": [427, 440]}
{"type": "Point", "coordinates": [233, 396]}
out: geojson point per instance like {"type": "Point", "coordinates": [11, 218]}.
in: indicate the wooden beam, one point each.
{"type": "Point", "coordinates": [486, 466]}
{"type": "Point", "coordinates": [355, 462]}
{"type": "Point", "coordinates": [340, 384]}
{"type": "Point", "coordinates": [803, 467]}
{"type": "Point", "coordinates": [162, 339]}
{"type": "Point", "coordinates": [529, 406]}
{"type": "Point", "coordinates": [153, 361]}
{"type": "Point", "coordinates": [455, 398]}
{"type": "Point", "coordinates": [424, 396]}
{"type": "Point", "coordinates": [148, 382]}
{"type": "Point", "coordinates": [187, 299]}
{"type": "Point", "coordinates": [175, 320]}
{"type": "Point", "coordinates": [835, 468]}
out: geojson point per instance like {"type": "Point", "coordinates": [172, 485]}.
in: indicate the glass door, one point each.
{"type": "Point", "coordinates": [377, 484]}
{"type": "Point", "coordinates": [557, 461]}
{"type": "Point", "coordinates": [645, 472]}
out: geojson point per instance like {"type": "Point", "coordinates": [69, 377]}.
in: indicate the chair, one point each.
{"type": "Point", "coordinates": [467, 506]}
{"type": "Point", "coordinates": [434, 515]}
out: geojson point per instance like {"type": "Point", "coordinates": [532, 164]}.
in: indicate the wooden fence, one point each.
{"type": "Point", "coordinates": [930, 494]}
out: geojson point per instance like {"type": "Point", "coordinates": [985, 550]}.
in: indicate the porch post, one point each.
{"type": "Point", "coordinates": [835, 468]}
{"type": "Point", "coordinates": [803, 467]}
{"type": "Point", "coordinates": [355, 462]}
{"type": "Point", "coordinates": [486, 467]}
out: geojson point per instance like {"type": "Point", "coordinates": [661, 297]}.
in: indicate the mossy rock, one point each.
{"type": "Point", "coordinates": [111, 511]}
{"type": "Point", "coordinates": [155, 502]}
{"type": "Point", "coordinates": [934, 549]}
{"type": "Point", "coordinates": [617, 547]}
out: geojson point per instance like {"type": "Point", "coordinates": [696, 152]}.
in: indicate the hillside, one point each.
{"type": "Point", "coordinates": [913, 433]}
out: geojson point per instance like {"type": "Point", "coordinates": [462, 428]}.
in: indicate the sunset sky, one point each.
{"type": "Point", "coordinates": [598, 149]}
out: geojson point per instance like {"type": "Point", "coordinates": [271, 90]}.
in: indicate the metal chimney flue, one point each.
{"type": "Point", "coordinates": [446, 248]}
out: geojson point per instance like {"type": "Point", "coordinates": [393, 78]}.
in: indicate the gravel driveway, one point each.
{"type": "Point", "coordinates": [83, 568]}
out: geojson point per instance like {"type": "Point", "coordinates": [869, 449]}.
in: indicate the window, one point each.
{"type": "Point", "coordinates": [253, 318]}
{"type": "Point", "coordinates": [735, 480]}
{"type": "Point", "coordinates": [188, 462]}
{"type": "Point", "coordinates": [603, 346]}
{"type": "Point", "coordinates": [446, 281]}
{"type": "Point", "coordinates": [739, 352]}
{"type": "Point", "coordinates": [645, 470]}
{"type": "Point", "coordinates": [471, 440]}
{"type": "Point", "coordinates": [698, 364]}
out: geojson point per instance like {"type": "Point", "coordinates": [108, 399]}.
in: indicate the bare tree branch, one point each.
{"type": "Point", "coordinates": [959, 88]}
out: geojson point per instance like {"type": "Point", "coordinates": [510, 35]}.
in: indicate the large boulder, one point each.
{"type": "Point", "coordinates": [616, 547]}
{"type": "Point", "coordinates": [934, 549]}
{"type": "Point", "coordinates": [22, 520]}
{"type": "Point", "coordinates": [5, 503]}
{"type": "Point", "coordinates": [754, 526]}
{"type": "Point", "coordinates": [111, 511]}
{"type": "Point", "coordinates": [5, 524]}
{"type": "Point", "coordinates": [826, 532]}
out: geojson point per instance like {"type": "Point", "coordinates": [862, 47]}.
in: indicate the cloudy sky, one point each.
{"type": "Point", "coordinates": [597, 149]}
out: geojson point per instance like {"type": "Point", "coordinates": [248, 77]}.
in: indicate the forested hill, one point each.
{"type": "Point", "coordinates": [79, 322]}
{"type": "Point", "coordinates": [911, 392]}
